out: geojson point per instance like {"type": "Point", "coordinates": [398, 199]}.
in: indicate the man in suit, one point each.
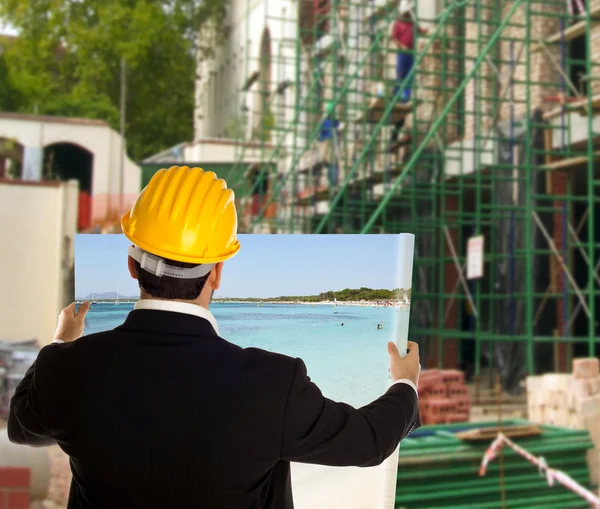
{"type": "Point", "coordinates": [162, 412]}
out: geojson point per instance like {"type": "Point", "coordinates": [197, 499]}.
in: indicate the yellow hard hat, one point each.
{"type": "Point", "coordinates": [184, 214]}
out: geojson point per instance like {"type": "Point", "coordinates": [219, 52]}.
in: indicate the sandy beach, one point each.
{"type": "Point", "coordinates": [364, 303]}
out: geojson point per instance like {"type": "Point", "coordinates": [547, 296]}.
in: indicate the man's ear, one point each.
{"type": "Point", "coordinates": [131, 267]}
{"type": "Point", "coordinates": [215, 276]}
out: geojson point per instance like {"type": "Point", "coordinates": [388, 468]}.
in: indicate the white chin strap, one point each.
{"type": "Point", "coordinates": [157, 266]}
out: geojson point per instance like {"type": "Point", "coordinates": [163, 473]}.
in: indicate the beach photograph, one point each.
{"type": "Point", "coordinates": [332, 300]}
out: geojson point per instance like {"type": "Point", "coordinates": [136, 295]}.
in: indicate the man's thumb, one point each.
{"type": "Point", "coordinates": [83, 309]}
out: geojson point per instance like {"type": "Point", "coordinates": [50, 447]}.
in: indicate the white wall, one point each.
{"type": "Point", "coordinates": [217, 97]}
{"type": "Point", "coordinates": [93, 135]}
{"type": "Point", "coordinates": [222, 151]}
{"type": "Point", "coordinates": [37, 228]}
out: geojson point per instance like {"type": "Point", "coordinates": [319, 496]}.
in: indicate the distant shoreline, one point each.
{"type": "Point", "coordinates": [319, 303]}
{"type": "Point", "coordinates": [386, 304]}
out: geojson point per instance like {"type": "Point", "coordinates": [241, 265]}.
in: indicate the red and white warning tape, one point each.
{"type": "Point", "coordinates": [550, 473]}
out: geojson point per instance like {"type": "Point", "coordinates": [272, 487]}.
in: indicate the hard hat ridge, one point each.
{"type": "Point", "coordinates": [184, 214]}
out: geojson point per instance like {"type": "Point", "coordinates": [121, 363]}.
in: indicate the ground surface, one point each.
{"type": "Point", "coordinates": [60, 479]}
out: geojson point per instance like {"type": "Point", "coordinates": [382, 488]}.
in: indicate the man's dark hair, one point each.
{"type": "Point", "coordinates": [169, 287]}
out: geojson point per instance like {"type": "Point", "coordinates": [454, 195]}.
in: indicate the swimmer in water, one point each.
{"type": "Point", "coordinates": [342, 324]}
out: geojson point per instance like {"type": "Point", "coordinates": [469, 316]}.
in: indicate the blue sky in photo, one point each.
{"type": "Point", "coordinates": [266, 266]}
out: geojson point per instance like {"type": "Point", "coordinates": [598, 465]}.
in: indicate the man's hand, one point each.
{"type": "Point", "coordinates": [407, 367]}
{"type": "Point", "coordinates": [70, 324]}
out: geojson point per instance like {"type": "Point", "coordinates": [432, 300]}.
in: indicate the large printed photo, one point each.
{"type": "Point", "coordinates": [332, 300]}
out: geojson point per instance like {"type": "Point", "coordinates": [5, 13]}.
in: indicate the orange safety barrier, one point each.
{"type": "Point", "coordinates": [84, 217]}
{"type": "Point", "coordinates": [102, 213]}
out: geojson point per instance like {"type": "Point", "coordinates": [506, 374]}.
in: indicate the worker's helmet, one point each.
{"type": "Point", "coordinates": [404, 7]}
{"type": "Point", "coordinates": [329, 107]}
{"type": "Point", "coordinates": [183, 214]}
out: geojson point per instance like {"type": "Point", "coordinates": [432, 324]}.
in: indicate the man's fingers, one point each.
{"type": "Point", "coordinates": [413, 347]}
{"type": "Point", "coordinates": [83, 309]}
{"type": "Point", "coordinates": [69, 309]}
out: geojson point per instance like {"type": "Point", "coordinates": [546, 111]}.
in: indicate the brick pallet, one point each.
{"type": "Point", "coordinates": [14, 488]}
{"type": "Point", "coordinates": [443, 397]}
{"type": "Point", "coordinates": [570, 400]}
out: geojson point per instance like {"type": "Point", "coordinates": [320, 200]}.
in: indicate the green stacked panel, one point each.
{"type": "Point", "coordinates": [438, 470]}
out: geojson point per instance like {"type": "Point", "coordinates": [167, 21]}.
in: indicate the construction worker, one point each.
{"type": "Point", "coordinates": [161, 412]}
{"type": "Point", "coordinates": [328, 143]}
{"type": "Point", "coordinates": [403, 36]}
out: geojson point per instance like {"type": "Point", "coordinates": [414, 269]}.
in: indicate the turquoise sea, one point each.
{"type": "Point", "coordinates": [349, 363]}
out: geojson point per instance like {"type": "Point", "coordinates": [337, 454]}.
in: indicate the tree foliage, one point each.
{"type": "Point", "coordinates": [9, 93]}
{"type": "Point", "coordinates": [67, 61]}
{"type": "Point", "coordinates": [357, 294]}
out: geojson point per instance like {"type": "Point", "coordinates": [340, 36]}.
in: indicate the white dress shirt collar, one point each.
{"type": "Point", "coordinates": [178, 307]}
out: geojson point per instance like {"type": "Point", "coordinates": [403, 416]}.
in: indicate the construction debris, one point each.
{"type": "Point", "coordinates": [487, 434]}
{"type": "Point", "coordinates": [571, 400]}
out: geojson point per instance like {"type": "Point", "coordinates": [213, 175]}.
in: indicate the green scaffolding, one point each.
{"type": "Point", "coordinates": [499, 142]}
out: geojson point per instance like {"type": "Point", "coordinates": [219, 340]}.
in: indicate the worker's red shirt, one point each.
{"type": "Point", "coordinates": [404, 32]}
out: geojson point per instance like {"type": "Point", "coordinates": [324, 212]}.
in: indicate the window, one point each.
{"type": "Point", "coordinates": [576, 64]}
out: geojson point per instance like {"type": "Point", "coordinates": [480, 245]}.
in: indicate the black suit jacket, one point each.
{"type": "Point", "coordinates": [162, 412]}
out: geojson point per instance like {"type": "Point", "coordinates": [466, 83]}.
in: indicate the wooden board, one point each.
{"type": "Point", "coordinates": [489, 434]}
{"type": "Point", "coordinates": [403, 141]}
{"type": "Point", "coordinates": [509, 416]}
{"type": "Point", "coordinates": [379, 177]}
{"type": "Point", "coordinates": [487, 400]}
{"type": "Point", "coordinates": [251, 80]}
{"type": "Point", "coordinates": [572, 32]}
{"type": "Point", "coordinates": [584, 109]}
{"type": "Point", "coordinates": [580, 105]}
{"type": "Point", "coordinates": [282, 86]}
{"type": "Point", "coordinates": [569, 163]}
{"type": "Point", "coordinates": [493, 409]}
{"type": "Point", "coordinates": [310, 196]}
{"type": "Point", "coordinates": [377, 108]}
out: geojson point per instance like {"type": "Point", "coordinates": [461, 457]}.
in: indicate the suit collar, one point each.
{"type": "Point", "coordinates": [178, 307]}
{"type": "Point", "coordinates": [168, 323]}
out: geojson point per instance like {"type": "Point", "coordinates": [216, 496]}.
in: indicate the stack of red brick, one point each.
{"type": "Point", "coordinates": [443, 397]}
{"type": "Point", "coordinates": [14, 488]}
